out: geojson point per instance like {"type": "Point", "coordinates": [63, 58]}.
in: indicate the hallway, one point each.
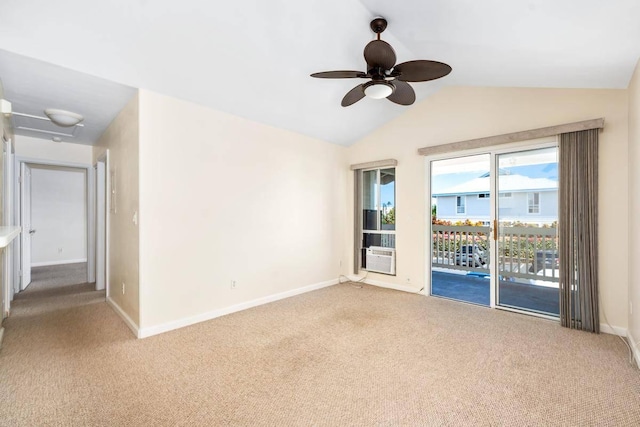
{"type": "Point", "coordinates": [54, 288]}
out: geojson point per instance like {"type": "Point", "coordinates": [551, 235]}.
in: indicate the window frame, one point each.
{"type": "Point", "coordinates": [378, 201]}
{"type": "Point", "coordinates": [462, 205]}
{"type": "Point", "coordinates": [378, 205]}
{"type": "Point", "coordinates": [531, 195]}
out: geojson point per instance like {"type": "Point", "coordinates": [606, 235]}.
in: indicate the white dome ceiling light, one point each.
{"type": "Point", "coordinates": [378, 89]}
{"type": "Point", "coordinates": [63, 118]}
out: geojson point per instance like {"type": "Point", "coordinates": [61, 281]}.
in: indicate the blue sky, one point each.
{"type": "Point", "coordinates": [387, 194]}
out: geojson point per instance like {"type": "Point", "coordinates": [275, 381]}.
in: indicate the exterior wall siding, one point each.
{"type": "Point", "coordinates": [514, 208]}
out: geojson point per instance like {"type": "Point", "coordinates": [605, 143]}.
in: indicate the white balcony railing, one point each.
{"type": "Point", "coordinates": [528, 253]}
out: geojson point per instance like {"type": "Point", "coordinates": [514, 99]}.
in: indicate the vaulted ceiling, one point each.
{"type": "Point", "coordinates": [253, 58]}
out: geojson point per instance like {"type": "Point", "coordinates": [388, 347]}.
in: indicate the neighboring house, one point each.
{"type": "Point", "coordinates": [530, 198]}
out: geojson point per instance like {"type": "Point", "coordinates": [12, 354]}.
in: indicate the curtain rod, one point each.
{"type": "Point", "coordinates": [512, 137]}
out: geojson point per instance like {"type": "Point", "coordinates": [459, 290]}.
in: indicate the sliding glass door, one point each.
{"type": "Point", "coordinates": [494, 229]}
{"type": "Point", "coordinates": [527, 232]}
{"type": "Point", "coordinates": [460, 218]}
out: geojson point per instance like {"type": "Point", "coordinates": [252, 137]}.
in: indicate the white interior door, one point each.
{"type": "Point", "coordinates": [25, 221]}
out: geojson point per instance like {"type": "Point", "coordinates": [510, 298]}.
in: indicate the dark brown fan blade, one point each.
{"type": "Point", "coordinates": [420, 71]}
{"type": "Point", "coordinates": [403, 95]}
{"type": "Point", "coordinates": [353, 96]}
{"type": "Point", "coordinates": [379, 53]}
{"type": "Point", "coordinates": [339, 75]}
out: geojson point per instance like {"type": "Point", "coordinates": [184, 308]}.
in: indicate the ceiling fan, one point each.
{"type": "Point", "coordinates": [386, 79]}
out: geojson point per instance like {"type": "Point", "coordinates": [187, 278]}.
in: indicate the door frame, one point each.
{"type": "Point", "coordinates": [493, 152]}
{"type": "Point", "coordinates": [7, 206]}
{"type": "Point", "coordinates": [90, 207]}
{"type": "Point", "coordinates": [25, 194]}
{"type": "Point", "coordinates": [102, 225]}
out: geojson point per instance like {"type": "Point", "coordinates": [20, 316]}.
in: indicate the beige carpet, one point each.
{"type": "Point", "coordinates": [54, 277]}
{"type": "Point", "coordinates": [340, 356]}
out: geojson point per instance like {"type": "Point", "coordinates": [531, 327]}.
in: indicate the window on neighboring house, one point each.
{"type": "Point", "coordinates": [533, 201]}
{"type": "Point", "coordinates": [378, 196]}
{"type": "Point", "coordinates": [483, 196]}
{"type": "Point", "coordinates": [505, 195]}
{"type": "Point", "coordinates": [460, 205]}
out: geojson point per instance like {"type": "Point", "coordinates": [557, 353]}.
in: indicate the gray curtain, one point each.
{"type": "Point", "coordinates": [578, 230]}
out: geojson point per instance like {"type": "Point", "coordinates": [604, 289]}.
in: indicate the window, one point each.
{"type": "Point", "coordinates": [460, 205]}
{"type": "Point", "coordinates": [378, 196]}
{"type": "Point", "coordinates": [533, 201]}
{"type": "Point", "coordinates": [505, 195]}
{"type": "Point", "coordinates": [483, 196]}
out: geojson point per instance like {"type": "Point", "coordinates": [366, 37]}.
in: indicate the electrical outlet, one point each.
{"type": "Point", "coordinates": [233, 284]}
{"type": "Point", "coordinates": [122, 288]}
{"type": "Point", "coordinates": [59, 250]}
{"type": "Point", "coordinates": [408, 280]}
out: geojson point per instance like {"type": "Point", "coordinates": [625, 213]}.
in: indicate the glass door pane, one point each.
{"type": "Point", "coordinates": [460, 216]}
{"type": "Point", "coordinates": [370, 200]}
{"type": "Point", "coordinates": [388, 199]}
{"type": "Point", "coordinates": [527, 240]}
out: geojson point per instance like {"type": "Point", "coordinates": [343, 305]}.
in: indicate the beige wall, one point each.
{"type": "Point", "coordinates": [460, 113]}
{"type": "Point", "coordinates": [634, 205]}
{"type": "Point", "coordinates": [223, 198]}
{"type": "Point", "coordinates": [46, 149]}
{"type": "Point", "coordinates": [121, 138]}
{"type": "Point", "coordinates": [59, 214]}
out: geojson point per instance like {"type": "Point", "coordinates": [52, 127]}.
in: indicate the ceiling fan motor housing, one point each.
{"type": "Point", "coordinates": [378, 25]}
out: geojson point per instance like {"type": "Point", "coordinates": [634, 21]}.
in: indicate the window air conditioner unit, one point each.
{"type": "Point", "coordinates": [381, 260]}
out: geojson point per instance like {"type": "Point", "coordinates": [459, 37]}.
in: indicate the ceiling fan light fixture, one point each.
{"type": "Point", "coordinates": [378, 89]}
{"type": "Point", "coordinates": [387, 79]}
{"type": "Point", "coordinates": [62, 117]}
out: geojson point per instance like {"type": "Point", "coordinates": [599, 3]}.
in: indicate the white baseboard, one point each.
{"type": "Point", "coordinates": [127, 320]}
{"type": "Point", "coordinates": [180, 323]}
{"type": "Point", "coordinates": [613, 330]}
{"type": "Point", "coordinates": [64, 261]}
{"type": "Point", "coordinates": [381, 284]}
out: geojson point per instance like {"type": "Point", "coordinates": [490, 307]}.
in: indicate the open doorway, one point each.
{"type": "Point", "coordinates": [58, 206]}
{"type": "Point", "coordinates": [54, 215]}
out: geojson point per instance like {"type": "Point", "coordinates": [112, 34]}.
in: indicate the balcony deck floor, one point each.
{"type": "Point", "coordinates": [476, 290]}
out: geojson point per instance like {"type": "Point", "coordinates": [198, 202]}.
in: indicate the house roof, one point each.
{"type": "Point", "coordinates": [253, 58]}
{"type": "Point", "coordinates": [538, 170]}
{"type": "Point", "coordinates": [508, 183]}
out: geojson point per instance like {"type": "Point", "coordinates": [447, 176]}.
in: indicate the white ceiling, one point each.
{"type": "Point", "coordinates": [253, 57]}
{"type": "Point", "coordinates": [33, 85]}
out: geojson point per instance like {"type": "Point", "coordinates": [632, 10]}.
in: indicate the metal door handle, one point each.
{"type": "Point", "coordinates": [32, 231]}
